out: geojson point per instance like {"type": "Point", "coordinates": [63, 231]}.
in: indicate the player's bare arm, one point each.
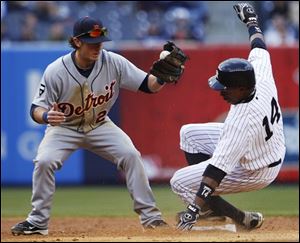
{"type": "Point", "coordinates": [153, 84]}
{"type": "Point", "coordinates": [37, 114]}
{"type": "Point", "coordinates": [54, 117]}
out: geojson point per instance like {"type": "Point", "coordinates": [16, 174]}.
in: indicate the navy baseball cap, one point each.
{"type": "Point", "coordinates": [90, 30]}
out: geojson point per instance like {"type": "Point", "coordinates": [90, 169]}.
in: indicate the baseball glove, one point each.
{"type": "Point", "coordinates": [171, 68]}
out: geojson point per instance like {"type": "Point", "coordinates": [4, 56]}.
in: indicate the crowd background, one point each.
{"type": "Point", "coordinates": [199, 21]}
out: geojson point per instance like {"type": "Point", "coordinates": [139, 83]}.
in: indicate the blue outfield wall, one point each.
{"type": "Point", "coordinates": [21, 71]}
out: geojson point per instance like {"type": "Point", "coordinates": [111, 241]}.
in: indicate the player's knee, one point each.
{"type": "Point", "coordinates": [45, 163]}
{"type": "Point", "coordinates": [187, 138]}
{"type": "Point", "coordinates": [131, 154]}
{"type": "Point", "coordinates": [183, 131]}
{"type": "Point", "coordinates": [129, 158]}
{"type": "Point", "coordinates": [184, 141]}
{"type": "Point", "coordinates": [174, 182]}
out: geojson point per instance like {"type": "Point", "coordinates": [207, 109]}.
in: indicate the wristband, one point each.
{"type": "Point", "coordinates": [45, 117]}
{"type": "Point", "coordinates": [256, 42]}
{"type": "Point", "coordinates": [194, 208]}
{"type": "Point", "coordinates": [254, 29]}
{"type": "Point", "coordinates": [161, 82]}
{"type": "Point", "coordinates": [205, 191]}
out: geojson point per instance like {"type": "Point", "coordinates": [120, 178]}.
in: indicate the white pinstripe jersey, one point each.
{"type": "Point", "coordinates": [253, 132]}
{"type": "Point", "coordinates": [87, 101]}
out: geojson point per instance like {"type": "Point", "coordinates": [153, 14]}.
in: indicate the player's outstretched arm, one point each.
{"type": "Point", "coordinates": [169, 68]}
{"type": "Point", "coordinates": [247, 15]}
{"type": "Point", "coordinates": [154, 84]}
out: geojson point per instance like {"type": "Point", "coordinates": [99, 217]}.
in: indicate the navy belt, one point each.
{"type": "Point", "coordinates": [274, 163]}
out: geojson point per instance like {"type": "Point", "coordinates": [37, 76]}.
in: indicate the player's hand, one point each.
{"type": "Point", "coordinates": [170, 68]}
{"type": "Point", "coordinates": [55, 116]}
{"type": "Point", "coordinates": [188, 218]}
{"type": "Point", "coordinates": [246, 13]}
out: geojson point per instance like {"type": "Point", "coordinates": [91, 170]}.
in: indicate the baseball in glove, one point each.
{"type": "Point", "coordinates": [171, 67]}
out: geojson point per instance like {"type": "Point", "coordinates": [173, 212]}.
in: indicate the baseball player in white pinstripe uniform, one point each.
{"type": "Point", "coordinates": [245, 152]}
{"type": "Point", "coordinates": [75, 96]}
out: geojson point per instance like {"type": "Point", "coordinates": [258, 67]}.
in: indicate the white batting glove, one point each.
{"type": "Point", "coordinates": [246, 13]}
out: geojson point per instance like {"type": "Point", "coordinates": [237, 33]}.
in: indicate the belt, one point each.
{"type": "Point", "coordinates": [274, 163]}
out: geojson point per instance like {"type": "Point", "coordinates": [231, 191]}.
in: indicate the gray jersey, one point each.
{"type": "Point", "coordinates": [253, 132]}
{"type": "Point", "coordinates": [87, 101]}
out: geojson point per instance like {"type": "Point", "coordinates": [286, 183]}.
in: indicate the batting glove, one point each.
{"type": "Point", "coordinates": [246, 13]}
{"type": "Point", "coordinates": [188, 218]}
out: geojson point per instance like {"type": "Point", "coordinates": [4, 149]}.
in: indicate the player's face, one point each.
{"type": "Point", "coordinates": [234, 95]}
{"type": "Point", "coordinates": [90, 52]}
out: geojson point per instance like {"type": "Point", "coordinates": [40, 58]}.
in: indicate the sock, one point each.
{"type": "Point", "coordinates": [222, 207]}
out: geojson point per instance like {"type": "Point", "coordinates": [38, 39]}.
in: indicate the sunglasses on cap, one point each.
{"type": "Point", "coordinates": [94, 33]}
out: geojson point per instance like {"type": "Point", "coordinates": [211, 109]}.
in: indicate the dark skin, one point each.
{"type": "Point", "coordinates": [232, 95]}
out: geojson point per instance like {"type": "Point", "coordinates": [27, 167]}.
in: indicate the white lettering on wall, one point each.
{"type": "Point", "coordinates": [3, 145]}
{"type": "Point", "coordinates": [28, 143]}
{"type": "Point", "coordinates": [33, 78]}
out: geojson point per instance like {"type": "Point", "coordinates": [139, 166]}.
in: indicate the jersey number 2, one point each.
{"type": "Point", "coordinates": [275, 115]}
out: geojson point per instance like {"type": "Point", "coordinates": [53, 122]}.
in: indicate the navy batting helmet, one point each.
{"type": "Point", "coordinates": [233, 72]}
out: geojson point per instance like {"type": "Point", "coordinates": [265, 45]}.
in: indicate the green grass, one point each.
{"type": "Point", "coordinates": [115, 201]}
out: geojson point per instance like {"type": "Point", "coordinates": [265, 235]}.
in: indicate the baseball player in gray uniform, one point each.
{"type": "Point", "coordinates": [74, 97]}
{"type": "Point", "coordinates": [245, 152]}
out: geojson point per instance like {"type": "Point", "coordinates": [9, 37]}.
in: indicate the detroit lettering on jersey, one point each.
{"type": "Point", "coordinates": [86, 101]}
{"type": "Point", "coordinates": [91, 101]}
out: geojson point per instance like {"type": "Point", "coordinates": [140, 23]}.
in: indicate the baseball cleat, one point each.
{"type": "Point", "coordinates": [253, 220]}
{"type": "Point", "coordinates": [26, 228]}
{"type": "Point", "coordinates": [156, 224]}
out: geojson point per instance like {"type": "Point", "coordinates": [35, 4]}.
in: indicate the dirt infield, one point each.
{"type": "Point", "coordinates": [116, 229]}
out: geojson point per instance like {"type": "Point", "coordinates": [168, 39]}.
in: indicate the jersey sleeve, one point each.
{"type": "Point", "coordinates": [131, 77]}
{"type": "Point", "coordinates": [233, 143]}
{"type": "Point", "coordinates": [46, 93]}
{"type": "Point", "coordinates": [261, 62]}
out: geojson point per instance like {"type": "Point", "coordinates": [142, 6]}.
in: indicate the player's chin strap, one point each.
{"type": "Point", "coordinates": [249, 98]}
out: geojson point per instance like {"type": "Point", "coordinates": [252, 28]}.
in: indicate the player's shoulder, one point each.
{"type": "Point", "coordinates": [113, 57]}
{"type": "Point", "coordinates": [58, 64]}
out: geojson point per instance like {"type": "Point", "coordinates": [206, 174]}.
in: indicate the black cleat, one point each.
{"type": "Point", "coordinates": [26, 228]}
